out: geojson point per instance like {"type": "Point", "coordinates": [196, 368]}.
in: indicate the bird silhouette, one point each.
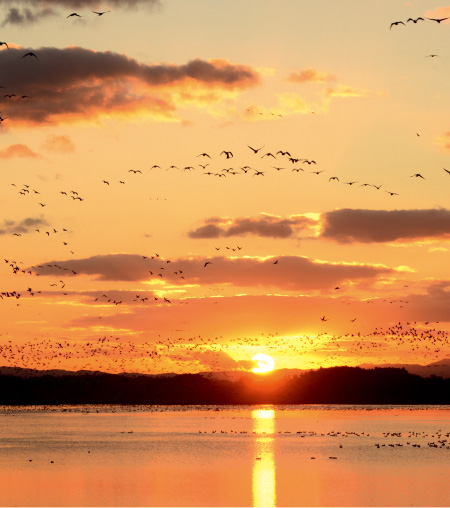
{"type": "Point", "coordinates": [438, 20]}
{"type": "Point", "coordinates": [30, 53]}
{"type": "Point", "coordinates": [396, 23]}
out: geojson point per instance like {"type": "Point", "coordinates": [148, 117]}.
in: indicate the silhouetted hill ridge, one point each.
{"type": "Point", "coordinates": [334, 385]}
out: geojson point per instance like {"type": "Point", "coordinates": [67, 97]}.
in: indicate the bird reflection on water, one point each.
{"type": "Point", "coordinates": [263, 478]}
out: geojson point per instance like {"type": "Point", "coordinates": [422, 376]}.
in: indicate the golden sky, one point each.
{"type": "Point", "coordinates": [187, 184]}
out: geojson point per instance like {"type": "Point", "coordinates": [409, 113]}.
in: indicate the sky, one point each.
{"type": "Point", "coordinates": [184, 185]}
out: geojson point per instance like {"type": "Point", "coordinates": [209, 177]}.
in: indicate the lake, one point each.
{"type": "Point", "coordinates": [225, 456]}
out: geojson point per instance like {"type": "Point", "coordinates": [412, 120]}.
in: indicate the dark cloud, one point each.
{"type": "Point", "coordinates": [25, 12]}
{"type": "Point", "coordinates": [367, 226]}
{"type": "Point", "coordinates": [78, 81]}
{"type": "Point", "coordinates": [26, 16]}
{"type": "Point", "coordinates": [289, 272]}
{"type": "Point", "coordinates": [10, 227]}
{"type": "Point", "coordinates": [265, 226]}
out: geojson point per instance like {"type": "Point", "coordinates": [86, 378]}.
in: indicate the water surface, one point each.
{"type": "Point", "coordinates": [225, 456]}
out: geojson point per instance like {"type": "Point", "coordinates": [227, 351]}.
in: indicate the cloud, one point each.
{"type": "Point", "coordinates": [439, 12]}
{"type": "Point", "coordinates": [78, 83]}
{"type": "Point", "coordinates": [10, 227]}
{"type": "Point", "coordinates": [264, 226]}
{"type": "Point", "coordinates": [289, 272]}
{"type": "Point", "coordinates": [26, 16]}
{"type": "Point", "coordinates": [370, 226]}
{"type": "Point", "coordinates": [17, 150]}
{"type": "Point", "coordinates": [59, 144]}
{"type": "Point", "coordinates": [311, 75]}
{"type": "Point", "coordinates": [346, 91]}
{"type": "Point", "coordinates": [219, 360]}
{"type": "Point", "coordinates": [443, 141]}
{"type": "Point", "coordinates": [31, 11]}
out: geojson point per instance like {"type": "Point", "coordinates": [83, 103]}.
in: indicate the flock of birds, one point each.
{"type": "Point", "coordinates": [118, 354]}
{"type": "Point", "coordinates": [415, 20]}
{"type": "Point", "coordinates": [125, 355]}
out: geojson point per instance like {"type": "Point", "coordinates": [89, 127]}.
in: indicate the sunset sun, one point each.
{"type": "Point", "coordinates": [264, 363]}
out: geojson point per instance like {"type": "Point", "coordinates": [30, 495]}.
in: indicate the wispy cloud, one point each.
{"type": "Point", "coordinates": [311, 75]}
{"type": "Point", "coordinates": [17, 150]}
{"type": "Point", "coordinates": [443, 141]}
{"type": "Point", "coordinates": [10, 227]}
{"type": "Point", "coordinates": [26, 12]}
{"type": "Point", "coordinates": [59, 144]}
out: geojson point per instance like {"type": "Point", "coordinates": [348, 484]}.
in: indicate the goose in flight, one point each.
{"type": "Point", "coordinates": [74, 14]}
{"type": "Point", "coordinates": [395, 23]}
{"type": "Point", "coordinates": [438, 20]}
{"type": "Point", "coordinates": [30, 53]}
{"type": "Point", "coordinates": [415, 20]}
{"type": "Point", "coordinates": [100, 13]}
{"type": "Point", "coordinates": [228, 154]}
{"type": "Point", "coordinates": [255, 150]}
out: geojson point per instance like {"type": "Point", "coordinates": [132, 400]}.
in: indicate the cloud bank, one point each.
{"type": "Point", "coordinates": [376, 226]}
{"type": "Point", "coordinates": [286, 272]}
{"type": "Point", "coordinates": [78, 82]}
{"type": "Point", "coordinates": [264, 226]}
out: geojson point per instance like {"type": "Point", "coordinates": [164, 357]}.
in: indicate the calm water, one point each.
{"type": "Point", "coordinates": [225, 456]}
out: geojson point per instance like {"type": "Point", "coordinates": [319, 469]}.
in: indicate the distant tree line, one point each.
{"type": "Point", "coordinates": [335, 385]}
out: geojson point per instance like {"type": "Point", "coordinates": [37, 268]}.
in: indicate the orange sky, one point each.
{"type": "Point", "coordinates": [187, 184]}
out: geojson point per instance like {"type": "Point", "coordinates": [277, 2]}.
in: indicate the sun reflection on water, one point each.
{"type": "Point", "coordinates": [263, 479]}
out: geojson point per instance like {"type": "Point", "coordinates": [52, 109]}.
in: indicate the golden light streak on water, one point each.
{"type": "Point", "coordinates": [263, 478]}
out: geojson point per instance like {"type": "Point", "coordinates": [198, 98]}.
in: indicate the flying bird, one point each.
{"type": "Point", "coordinates": [415, 20]}
{"type": "Point", "coordinates": [30, 53]}
{"type": "Point", "coordinates": [100, 13]}
{"type": "Point", "coordinates": [228, 154]}
{"type": "Point", "coordinates": [438, 20]}
{"type": "Point", "coordinates": [395, 23]}
{"type": "Point", "coordinates": [207, 263]}
{"type": "Point", "coordinates": [255, 150]}
{"type": "Point", "coordinates": [74, 14]}
{"type": "Point", "coordinates": [417, 175]}
{"type": "Point", "coordinates": [4, 44]}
